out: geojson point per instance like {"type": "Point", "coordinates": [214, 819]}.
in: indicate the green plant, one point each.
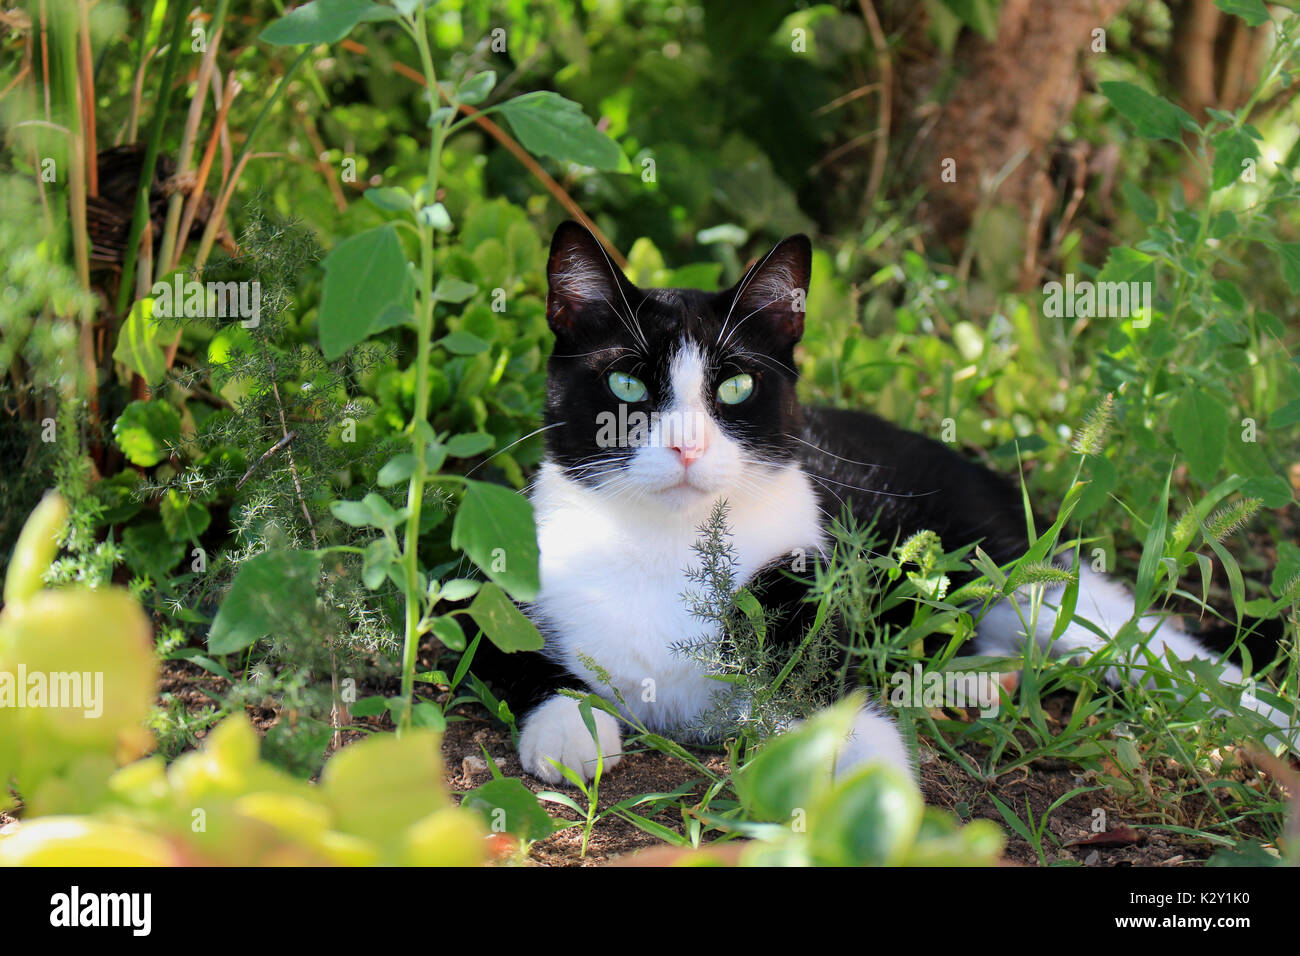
{"type": "Point", "coordinates": [380, 801]}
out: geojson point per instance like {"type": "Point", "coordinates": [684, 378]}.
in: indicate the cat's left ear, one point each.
{"type": "Point", "coordinates": [776, 289]}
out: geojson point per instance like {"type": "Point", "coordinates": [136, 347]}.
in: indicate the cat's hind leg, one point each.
{"type": "Point", "coordinates": [1107, 604]}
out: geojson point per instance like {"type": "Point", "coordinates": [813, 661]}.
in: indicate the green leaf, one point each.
{"type": "Point", "coordinates": [149, 550]}
{"type": "Point", "coordinates": [451, 289]}
{"type": "Point", "coordinates": [494, 526]}
{"type": "Point", "coordinates": [469, 444]}
{"type": "Point", "coordinates": [139, 344]}
{"type": "Point", "coordinates": [1286, 416]}
{"type": "Point", "coordinates": [323, 21]}
{"type": "Point", "coordinates": [354, 513]}
{"type": "Point", "coordinates": [390, 199]}
{"type": "Point", "coordinates": [144, 431]}
{"type": "Point", "coordinates": [430, 716]}
{"type": "Point", "coordinates": [1289, 252]}
{"type": "Point", "coordinates": [183, 518]}
{"type": "Point", "coordinates": [1199, 425]}
{"type": "Point", "coordinates": [507, 803]}
{"type": "Point", "coordinates": [458, 589]}
{"type": "Point", "coordinates": [376, 562]}
{"type": "Point", "coordinates": [1231, 147]}
{"type": "Point", "coordinates": [398, 469]}
{"type": "Point", "coordinates": [1154, 118]}
{"type": "Point", "coordinates": [793, 771]}
{"type": "Point", "coordinates": [476, 89]}
{"type": "Point", "coordinates": [870, 819]}
{"type": "Point", "coordinates": [1252, 11]}
{"type": "Point", "coordinates": [365, 276]}
{"type": "Point", "coordinates": [503, 623]}
{"type": "Point", "coordinates": [272, 592]}
{"type": "Point", "coordinates": [463, 343]}
{"type": "Point", "coordinates": [382, 514]}
{"type": "Point", "coordinates": [1140, 202]}
{"type": "Point", "coordinates": [448, 630]}
{"type": "Point", "coordinates": [369, 707]}
{"type": "Point", "coordinates": [549, 125]}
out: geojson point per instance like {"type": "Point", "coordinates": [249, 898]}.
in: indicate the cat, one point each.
{"type": "Point", "coordinates": [661, 402]}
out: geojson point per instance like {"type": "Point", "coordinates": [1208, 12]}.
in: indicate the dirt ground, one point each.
{"type": "Point", "coordinates": [942, 782]}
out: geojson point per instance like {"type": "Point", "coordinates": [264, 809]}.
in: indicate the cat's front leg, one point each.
{"type": "Point", "coordinates": [555, 731]}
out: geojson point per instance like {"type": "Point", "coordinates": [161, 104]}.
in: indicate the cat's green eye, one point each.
{"type": "Point", "coordinates": [627, 388]}
{"type": "Point", "coordinates": [736, 389]}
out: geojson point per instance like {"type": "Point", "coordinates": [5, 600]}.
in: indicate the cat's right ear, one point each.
{"type": "Point", "coordinates": [580, 278]}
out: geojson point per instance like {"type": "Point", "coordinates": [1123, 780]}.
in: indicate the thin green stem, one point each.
{"type": "Point", "coordinates": [419, 420]}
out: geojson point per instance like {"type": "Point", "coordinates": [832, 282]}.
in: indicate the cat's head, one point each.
{"type": "Point", "coordinates": [672, 394]}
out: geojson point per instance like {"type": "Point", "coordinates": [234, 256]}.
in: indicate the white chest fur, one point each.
{"type": "Point", "coordinates": [613, 576]}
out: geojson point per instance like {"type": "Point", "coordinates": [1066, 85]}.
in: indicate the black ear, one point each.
{"type": "Point", "coordinates": [580, 277]}
{"type": "Point", "coordinates": [775, 289]}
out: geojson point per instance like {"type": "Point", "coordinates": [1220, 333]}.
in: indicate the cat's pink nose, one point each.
{"type": "Point", "coordinates": [688, 452]}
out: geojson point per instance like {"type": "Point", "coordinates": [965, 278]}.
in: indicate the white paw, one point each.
{"type": "Point", "coordinates": [874, 737]}
{"type": "Point", "coordinates": [555, 731]}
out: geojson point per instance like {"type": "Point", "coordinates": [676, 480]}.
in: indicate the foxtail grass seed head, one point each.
{"type": "Point", "coordinates": [1091, 437]}
{"type": "Point", "coordinates": [1232, 518]}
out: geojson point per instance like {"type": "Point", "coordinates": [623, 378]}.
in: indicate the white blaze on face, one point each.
{"type": "Point", "coordinates": [686, 452]}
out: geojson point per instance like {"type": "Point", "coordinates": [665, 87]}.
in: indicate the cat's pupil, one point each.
{"type": "Point", "coordinates": [736, 389]}
{"type": "Point", "coordinates": [627, 388]}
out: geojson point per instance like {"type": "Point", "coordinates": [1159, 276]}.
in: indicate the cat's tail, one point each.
{"type": "Point", "coordinates": [1108, 605]}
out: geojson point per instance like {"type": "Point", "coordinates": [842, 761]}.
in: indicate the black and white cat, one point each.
{"type": "Point", "coordinates": [620, 498]}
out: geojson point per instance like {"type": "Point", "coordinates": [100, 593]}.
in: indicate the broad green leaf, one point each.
{"type": "Point", "coordinates": [476, 89]}
{"type": "Point", "coordinates": [869, 819]}
{"type": "Point", "coordinates": [398, 469]}
{"type": "Point", "coordinates": [390, 198]}
{"type": "Point", "coordinates": [183, 518]}
{"type": "Point", "coordinates": [458, 589]}
{"type": "Point", "coordinates": [1199, 424]}
{"type": "Point", "coordinates": [1252, 11]}
{"type": "Point", "coordinates": [1154, 118]}
{"type": "Point", "coordinates": [365, 275]}
{"type": "Point", "coordinates": [549, 125]}
{"type": "Point", "coordinates": [494, 526]}
{"type": "Point", "coordinates": [469, 444]}
{"type": "Point", "coordinates": [382, 514]}
{"type": "Point", "coordinates": [1230, 148]}
{"type": "Point", "coordinates": [354, 513]}
{"type": "Point", "coordinates": [139, 344]}
{"type": "Point", "coordinates": [1289, 252]}
{"type": "Point", "coordinates": [792, 772]}
{"type": "Point", "coordinates": [1286, 416]}
{"type": "Point", "coordinates": [145, 430]}
{"type": "Point", "coordinates": [323, 21]}
{"type": "Point", "coordinates": [448, 630]}
{"type": "Point", "coordinates": [503, 623]}
{"type": "Point", "coordinates": [377, 560]}
{"type": "Point", "coordinates": [463, 343]}
{"type": "Point", "coordinates": [507, 803]}
{"type": "Point", "coordinates": [272, 592]}
{"type": "Point", "coordinates": [451, 289]}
